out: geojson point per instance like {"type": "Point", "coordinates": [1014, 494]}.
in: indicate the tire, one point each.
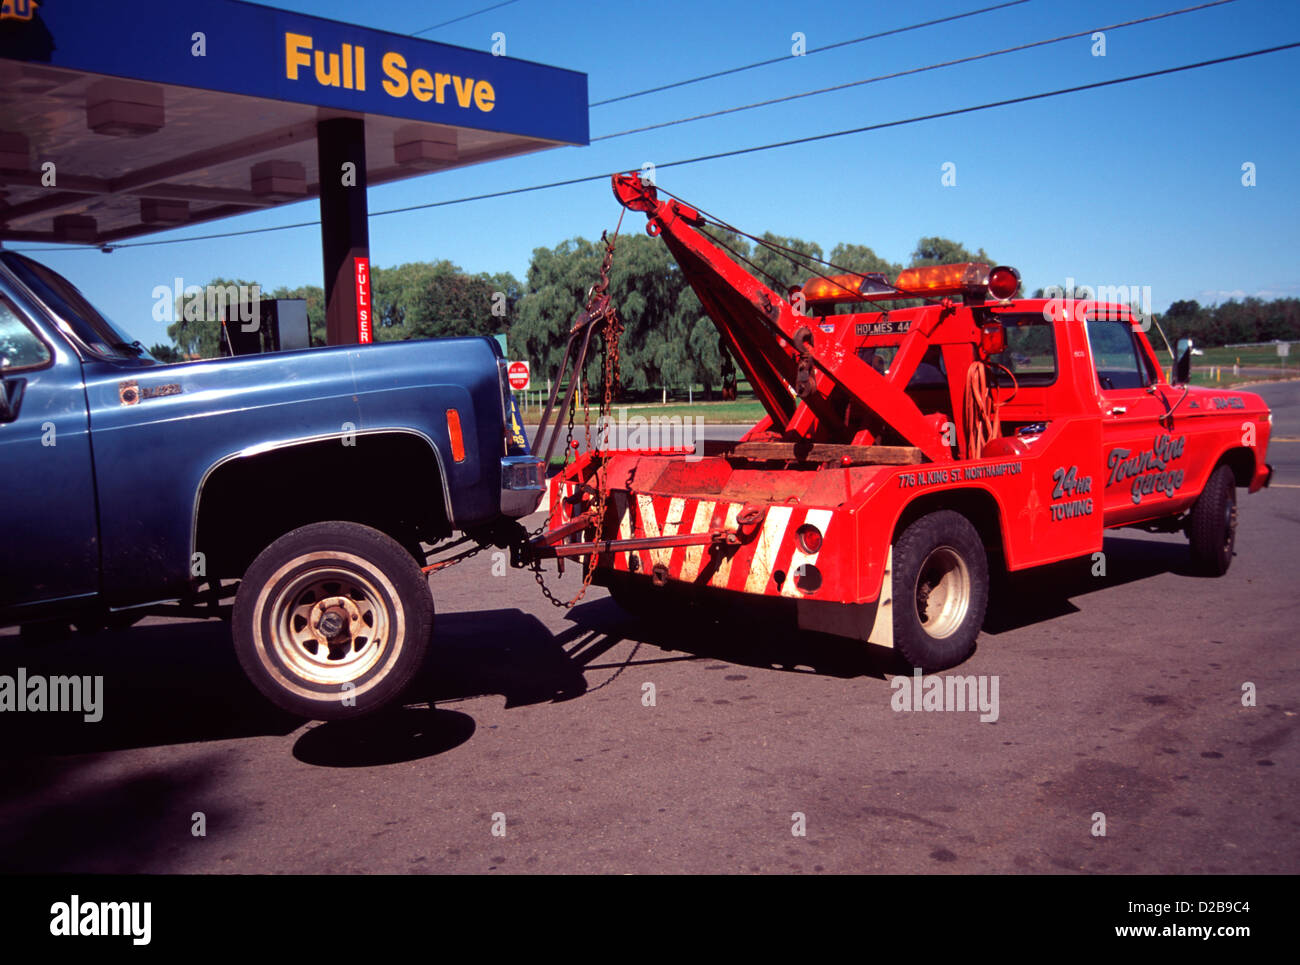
{"type": "Point", "coordinates": [941, 590]}
{"type": "Point", "coordinates": [349, 575]}
{"type": "Point", "coordinates": [1212, 524]}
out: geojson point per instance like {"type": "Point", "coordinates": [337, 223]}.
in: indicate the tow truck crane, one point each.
{"type": "Point", "coordinates": [902, 450]}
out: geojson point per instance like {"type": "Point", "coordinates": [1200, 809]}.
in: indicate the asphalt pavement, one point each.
{"type": "Point", "coordinates": [583, 740]}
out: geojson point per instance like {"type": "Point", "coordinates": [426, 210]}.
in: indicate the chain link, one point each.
{"type": "Point", "coordinates": [597, 306]}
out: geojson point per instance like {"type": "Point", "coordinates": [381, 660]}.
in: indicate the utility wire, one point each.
{"type": "Point", "coordinates": [466, 16]}
{"type": "Point", "coordinates": [913, 70]}
{"type": "Point", "coordinates": [735, 152]}
{"type": "Point", "coordinates": [807, 53]}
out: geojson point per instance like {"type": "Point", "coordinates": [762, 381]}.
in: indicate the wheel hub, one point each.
{"type": "Point", "coordinates": [330, 626]}
{"type": "Point", "coordinates": [943, 592]}
{"type": "Point", "coordinates": [334, 617]}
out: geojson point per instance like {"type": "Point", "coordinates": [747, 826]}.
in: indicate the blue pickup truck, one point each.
{"type": "Point", "coordinates": [307, 483]}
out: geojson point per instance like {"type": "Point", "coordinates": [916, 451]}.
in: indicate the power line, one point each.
{"type": "Point", "coordinates": [735, 152]}
{"type": "Point", "coordinates": [1023, 99]}
{"type": "Point", "coordinates": [807, 53]}
{"type": "Point", "coordinates": [466, 16]}
{"type": "Point", "coordinates": [912, 70]}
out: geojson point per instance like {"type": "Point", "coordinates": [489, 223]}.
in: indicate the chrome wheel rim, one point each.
{"type": "Point", "coordinates": [330, 625]}
{"type": "Point", "coordinates": [943, 592]}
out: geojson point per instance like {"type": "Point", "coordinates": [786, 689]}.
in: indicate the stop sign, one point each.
{"type": "Point", "coordinates": [518, 375]}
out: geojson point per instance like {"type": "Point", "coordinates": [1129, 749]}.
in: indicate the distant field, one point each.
{"type": "Point", "coordinates": [740, 412]}
{"type": "Point", "coordinates": [1228, 380]}
{"type": "Point", "coordinates": [1262, 355]}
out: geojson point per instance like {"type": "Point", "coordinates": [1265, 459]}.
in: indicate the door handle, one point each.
{"type": "Point", "coordinates": [1118, 409]}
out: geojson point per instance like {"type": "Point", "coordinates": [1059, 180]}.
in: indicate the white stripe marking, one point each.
{"type": "Point", "coordinates": [769, 544]}
{"type": "Point", "coordinates": [821, 518]}
{"type": "Point", "coordinates": [695, 554]}
{"type": "Point", "coordinates": [723, 573]}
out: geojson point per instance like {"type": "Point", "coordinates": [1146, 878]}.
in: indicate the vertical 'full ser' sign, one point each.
{"type": "Point", "coordinates": [363, 300]}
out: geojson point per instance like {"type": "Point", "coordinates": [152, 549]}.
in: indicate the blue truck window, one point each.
{"type": "Point", "coordinates": [19, 346]}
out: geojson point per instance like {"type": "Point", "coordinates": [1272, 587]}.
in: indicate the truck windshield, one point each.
{"type": "Point", "coordinates": [81, 319]}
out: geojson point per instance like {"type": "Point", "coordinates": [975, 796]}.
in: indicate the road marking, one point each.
{"type": "Point", "coordinates": [1285, 439]}
{"type": "Point", "coordinates": [1283, 486]}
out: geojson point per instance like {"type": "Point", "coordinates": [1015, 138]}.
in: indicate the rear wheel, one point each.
{"type": "Point", "coordinates": [940, 589]}
{"type": "Point", "coordinates": [1212, 525]}
{"type": "Point", "coordinates": [332, 621]}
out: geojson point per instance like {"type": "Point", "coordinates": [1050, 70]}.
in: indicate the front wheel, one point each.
{"type": "Point", "coordinates": [332, 621]}
{"type": "Point", "coordinates": [941, 590]}
{"type": "Point", "coordinates": [1212, 525]}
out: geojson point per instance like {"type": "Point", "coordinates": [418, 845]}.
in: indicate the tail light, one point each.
{"type": "Point", "coordinates": [809, 538]}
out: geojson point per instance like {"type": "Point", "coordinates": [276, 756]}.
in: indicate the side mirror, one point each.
{"type": "Point", "coordinates": [1183, 367]}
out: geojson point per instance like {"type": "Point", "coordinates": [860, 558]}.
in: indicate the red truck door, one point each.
{"type": "Point", "coordinates": [1142, 463]}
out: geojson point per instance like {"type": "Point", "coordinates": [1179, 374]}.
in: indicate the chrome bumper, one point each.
{"type": "Point", "coordinates": [523, 482]}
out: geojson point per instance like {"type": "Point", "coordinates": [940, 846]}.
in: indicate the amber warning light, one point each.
{"type": "Point", "coordinates": [973, 279]}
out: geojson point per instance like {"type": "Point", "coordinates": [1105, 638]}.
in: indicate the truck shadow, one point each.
{"type": "Point", "coordinates": [771, 641]}
{"type": "Point", "coordinates": [1045, 593]}
{"type": "Point", "coordinates": [162, 683]}
{"type": "Point", "coordinates": [91, 815]}
{"type": "Point", "coordinates": [512, 653]}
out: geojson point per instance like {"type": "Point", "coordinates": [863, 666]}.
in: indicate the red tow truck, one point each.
{"type": "Point", "coordinates": [905, 453]}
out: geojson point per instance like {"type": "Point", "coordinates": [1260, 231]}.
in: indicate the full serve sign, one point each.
{"type": "Point", "coordinates": [346, 68]}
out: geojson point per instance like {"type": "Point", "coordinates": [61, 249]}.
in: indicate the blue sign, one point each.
{"type": "Point", "coordinates": [244, 48]}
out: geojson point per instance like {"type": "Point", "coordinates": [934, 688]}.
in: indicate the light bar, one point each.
{"type": "Point", "coordinates": [935, 280]}
{"type": "Point", "coordinates": [932, 281]}
{"type": "Point", "coordinates": [835, 288]}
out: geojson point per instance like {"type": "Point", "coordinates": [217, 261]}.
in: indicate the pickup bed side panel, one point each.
{"type": "Point", "coordinates": [152, 454]}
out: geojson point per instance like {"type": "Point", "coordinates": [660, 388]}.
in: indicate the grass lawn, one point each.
{"type": "Point", "coordinates": [741, 412]}
{"type": "Point", "coordinates": [1253, 355]}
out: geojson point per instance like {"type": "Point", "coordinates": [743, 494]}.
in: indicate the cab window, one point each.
{"type": "Point", "coordinates": [1115, 356]}
{"type": "Point", "coordinates": [19, 346]}
{"type": "Point", "coordinates": [1031, 350]}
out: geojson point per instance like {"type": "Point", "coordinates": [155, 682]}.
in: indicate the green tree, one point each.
{"type": "Point", "coordinates": [196, 328]}
{"type": "Point", "coordinates": [314, 296]}
{"type": "Point", "coordinates": [166, 354]}
{"type": "Point", "coordinates": [944, 251]}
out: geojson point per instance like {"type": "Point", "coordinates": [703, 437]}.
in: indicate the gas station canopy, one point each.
{"type": "Point", "coordinates": [156, 114]}
{"type": "Point", "coordinates": [118, 119]}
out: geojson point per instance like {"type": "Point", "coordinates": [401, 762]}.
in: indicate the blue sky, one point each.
{"type": "Point", "coordinates": [1136, 184]}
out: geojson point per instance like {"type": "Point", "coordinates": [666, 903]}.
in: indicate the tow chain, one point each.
{"type": "Point", "coordinates": [597, 301]}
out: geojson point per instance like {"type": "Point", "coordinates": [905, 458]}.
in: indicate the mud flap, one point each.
{"type": "Point", "coordinates": [852, 620]}
{"type": "Point", "coordinates": [882, 631]}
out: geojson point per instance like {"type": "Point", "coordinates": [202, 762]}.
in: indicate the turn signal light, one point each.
{"type": "Point", "coordinates": [993, 339]}
{"type": "Point", "coordinates": [455, 436]}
